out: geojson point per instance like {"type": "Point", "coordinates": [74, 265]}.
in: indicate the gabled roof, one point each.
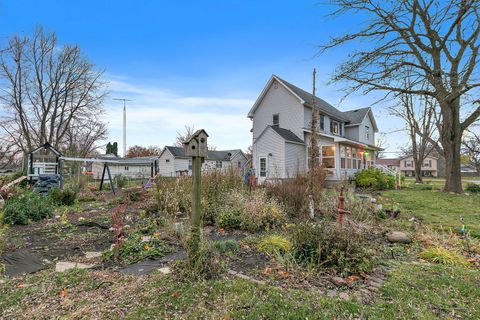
{"type": "Point", "coordinates": [388, 162]}
{"type": "Point", "coordinates": [410, 155]}
{"type": "Point", "coordinates": [355, 117]}
{"type": "Point", "coordinates": [303, 96]}
{"type": "Point", "coordinates": [220, 155]}
{"type": "Point", "coordinates": [321, 104]}
{"type": "Point", "coordinates": [287, 135]}
{"type": "Point", "coordinates": [47, 145]}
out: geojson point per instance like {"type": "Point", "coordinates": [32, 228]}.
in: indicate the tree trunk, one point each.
{"type": "Point", "coordinates": [418, 173]}
{"type": "Point", "coordinates": [451, 136]}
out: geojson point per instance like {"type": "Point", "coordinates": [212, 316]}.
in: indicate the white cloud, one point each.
{"type": "Point", "coordinates": [156, 114]}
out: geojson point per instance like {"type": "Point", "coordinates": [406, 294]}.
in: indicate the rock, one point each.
{"type": "Point", "coordinates": [398, 237]}
{"type": "Point", "coordinates": [146, 238]}
{"type": "Point", "coordinates": [62, 266]}
{"type": "Point", "coordinates": [344, 296]}
{"type": "Point", "coordinates": [332, 293]}
{"type": "Point", "coordinates": [92, 254]}
{"type": "Point", "coordinates": [338, 281]}
{"type": "Point", "coordinates": [165, 270]}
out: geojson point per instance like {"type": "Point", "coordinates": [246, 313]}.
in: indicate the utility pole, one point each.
{"type": "Point", "coordinates": [124, 124]}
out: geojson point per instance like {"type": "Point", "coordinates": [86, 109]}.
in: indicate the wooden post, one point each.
{"type": "Point", "coordinates": [196, 216]}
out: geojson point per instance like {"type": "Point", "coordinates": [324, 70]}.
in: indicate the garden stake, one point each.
{"type": "Point", "coordinates": [341, 211]}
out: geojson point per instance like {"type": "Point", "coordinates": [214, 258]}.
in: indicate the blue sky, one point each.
{"type": "Point", "coordinates": [199, 63]}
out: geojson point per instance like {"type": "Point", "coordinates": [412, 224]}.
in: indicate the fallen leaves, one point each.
{"type": "Point", "coordinates": [64, 293]}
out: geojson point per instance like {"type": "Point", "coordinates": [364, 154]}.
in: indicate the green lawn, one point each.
{"type": "Point", "coordinates": [412, 291]}
{"type": "Point", "coordinates": [438, 209]}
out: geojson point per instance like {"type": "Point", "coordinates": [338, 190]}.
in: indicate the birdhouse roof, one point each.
{"type": "Point", "coordinates": [196, 134]}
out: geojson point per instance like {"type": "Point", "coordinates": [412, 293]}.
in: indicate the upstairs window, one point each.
{"type": "Point", "coordinates": [367, 132]}
{"type": "Point", "coordinates": [322, 122]}
{"type": "Point", "coordinates": [276, 119]}
{"type": "Point", "coordinates": [335, 127]}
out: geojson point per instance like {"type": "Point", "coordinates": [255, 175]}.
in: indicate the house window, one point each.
{"type": "Point", "coordinates": [218, 164]}
{"type": "Point", "coordinates": [367, 132]}
{"type": "Point", "coordinates": [328, 157]}
{"type": "Point", "coordinates": [408, 163]}
{"type": "Point", "coordinates": [322, 122]}
{"type": "Point", "coordinates": [168, 160]}
{"type": "Point", "coordinates": [126, 168]}
{"type": "Point", "coordinates": [276, 119]}
{"type": "Point", "coordinates": [190, 164]}
{"type": "Point", "coordinates": [335, 127]}
{"type": "Point", "coordinates": [239, 164]}
{"type": "Point", "coordinates": [263, 167]}
{"type": "Point", "coordinates": [348, 157]}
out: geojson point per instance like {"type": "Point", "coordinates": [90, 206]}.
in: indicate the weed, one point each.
{"type": "Point", "coordinates": [225, 246]}
{"type": "Point", "coordinates": [346, 249]}
{"type": "Point", "coordinates": [473, 188]}
{"type": "Point", "coordinates": [443, 256]}
{"type": "Point", "coordinates": [274, 244]}
{"type": "Point", "coordinates": [62, 197]}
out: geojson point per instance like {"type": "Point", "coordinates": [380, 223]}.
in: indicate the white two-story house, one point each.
{"type": "Point", "coordinates": [281, 133]}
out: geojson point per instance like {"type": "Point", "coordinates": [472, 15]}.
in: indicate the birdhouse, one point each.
{"type": "Point", "coordinates": [196, 146]}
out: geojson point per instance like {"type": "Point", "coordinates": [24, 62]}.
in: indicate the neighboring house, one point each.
{"type": "Point", "coordinates": [135, 168]}
{"type": "Point", "coordinates": [281, 133]}
{"type": "Point", "coordinates": [429, 166]}
{"type": "Point", "coordinates": [390, 164]}
{"type": "Point", "coordinates": [406, 166]}
{"type": "Point", "coordinates": [173, 162]}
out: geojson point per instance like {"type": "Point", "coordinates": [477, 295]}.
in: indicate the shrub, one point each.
{"type": "Point", "coordinates": [121, 181]}
{"type": "Point", "coordinates": [443, 256]}
{"type": "Point", "coordinates": [324, 244]}
{"type": "Point", "coordinates": [274, 244]}
{"type": "Point", "coordinates": [225, 246]}
{"type": "Point", "coordinates": [293, 193]}
{"type": "Point", "coordinates": [65, 196]}
{"type": "Point", "coordinates": [250, 212]}
{"type": "Point", "coordinates": [30, 206]}
{"type": "Point", "coordinates": [201, 263]}
{"type": "Point", "coordinates": [133, 249]}
{"type": "Point", "coordinates": [374, 179]}
{"type": "Point", "coordinates": [473, 188]}
{"type": "Point", "coordinates": [172, 195]}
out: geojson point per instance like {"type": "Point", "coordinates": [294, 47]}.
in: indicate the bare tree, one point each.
{"type": "Point", "coordinates": [82, 138]}
{"type": "Point", "coordinates": [50, 93]}
{"type": "Point", "coordinates": [139, 151]}
{"type": "Point", "coordinates": [418, 112]}
{"type": "Point", "coordinates": [471, 147]}
{"type": "Point", "coordinates": [433, 43]}
{"type": "Point", "coordinates": [184, 135]}
{"type": "Point", "coordinates": [313, 150]}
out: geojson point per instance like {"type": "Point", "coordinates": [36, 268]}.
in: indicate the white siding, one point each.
{"type": "Point", "coordinates": [181, 165]}
{"type": "Point", "coordinates": [284, 103]}
{"type": "Point", "coordinates": [270, 142]}
{"type": "Point", "coordinates": [361, 132]}
{"type": "Point", "coordinates": [166, 168]}
{"type": "Point", "coordinates": [295, 155]}
{"type": "Point", "coordinates": [239, 157]}
{"type": "Point", "coordinates": [352, 133]}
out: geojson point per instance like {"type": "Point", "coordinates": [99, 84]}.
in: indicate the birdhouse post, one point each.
{"type": "Point", "coordinates": [196, 148]}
